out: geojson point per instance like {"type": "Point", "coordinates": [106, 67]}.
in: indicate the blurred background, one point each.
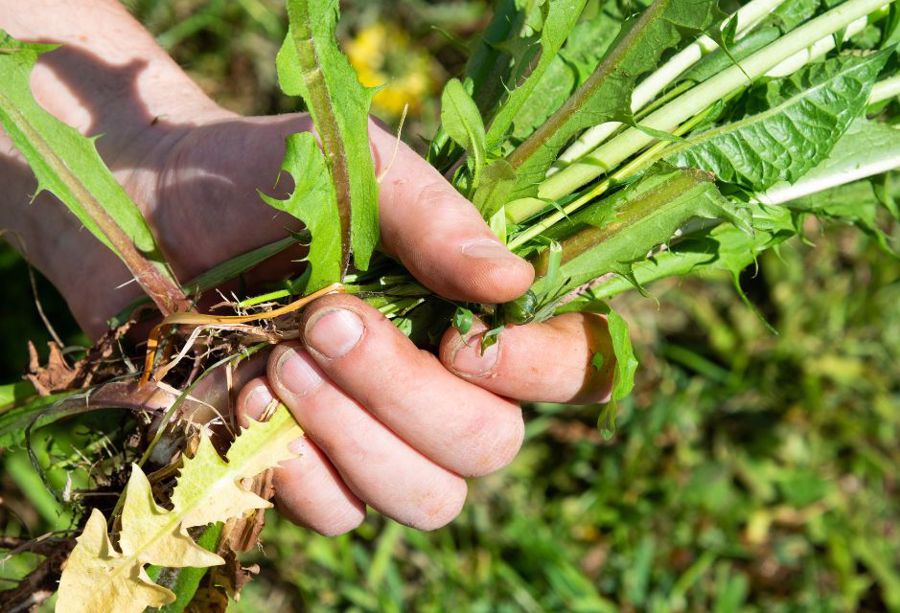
{"type": "Point", "coordinates": [751, 470]}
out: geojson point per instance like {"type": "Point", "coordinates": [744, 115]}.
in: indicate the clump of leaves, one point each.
{"type": "Point", "coordinates": [586, 152]}
{"type": "Point", "coordinates": [98, 577]}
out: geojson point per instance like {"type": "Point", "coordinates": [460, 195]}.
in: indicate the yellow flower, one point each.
{"type": "Point", "coordinates": [384, 56]}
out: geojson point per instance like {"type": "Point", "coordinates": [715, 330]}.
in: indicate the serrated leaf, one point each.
{"type": "Point", "coordinates": [97, 577]}
{"type": "Point", "coordinates": [313, 202]}
{"type": "Point", "coordinates": [613, 234]}
{"type": "Point", "coordinates": [311, 65]}
{"type": "Point", "coordinates": [724, 247]}
{"type": "Point", "coordinates": [585, 46]}
{"type": "Point", "coordinates": [561, 17]}
{"type": "Point", "coordinates": [808, 113]}
{"type": "Point", "coordinates": [462, 121]}
{"type": "Point", "coordinates": [606, 95]}
{"type": "Point", "coordinates": [67, 164]}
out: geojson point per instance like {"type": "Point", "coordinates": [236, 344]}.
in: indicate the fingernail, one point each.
{"type": "Point", "coordinates": [334, 333]}
{"type": "Point", "coordinates": [487, 249]}
{"type": "Point", "coordinates": [296, 374]}
{"type": "Point", "coordinates": [257, 401]}
{"type": "Point", "coordinates": [468, 359]}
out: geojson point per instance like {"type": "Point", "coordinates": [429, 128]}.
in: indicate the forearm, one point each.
{"type": "Point", "coordinates": [109, 78]}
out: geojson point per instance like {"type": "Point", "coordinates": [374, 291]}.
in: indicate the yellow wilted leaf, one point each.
{"type": "Point", "coordinates": [99, 578]}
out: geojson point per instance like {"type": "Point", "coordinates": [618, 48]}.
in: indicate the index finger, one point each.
{"type": "Point", "coordinates": [437, 234]}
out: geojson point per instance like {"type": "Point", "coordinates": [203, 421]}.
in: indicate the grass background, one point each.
{"type": "Point", "coordinates": [752, 471]}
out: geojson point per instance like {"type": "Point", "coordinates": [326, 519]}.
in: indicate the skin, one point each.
{"type": "Point", "coordinates": [387, 425]}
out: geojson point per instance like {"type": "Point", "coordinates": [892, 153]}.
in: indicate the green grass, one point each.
{"type": "Point", "coordinates": [750, 471]}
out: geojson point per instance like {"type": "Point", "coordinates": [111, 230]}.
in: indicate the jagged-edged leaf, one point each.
{"type": "Point", "coordinates": [808, 113]}
{"type": "Point", "coordinates": [606, 95]}
{"type": "Point", "coordinates": [724, 247]}
{"type": "Point", "coordinates": [558, 21]}
{"type": "Point", "coordinates": [311, 65]}
{"type": "Point", "coordinates": [66, 164]}
{"type": "Point", "coordinates": [98, 577]}
{"type": "Point", "coordinates": [462, 121]}
{"type": "Point", "coordinates": [571, 67]}
{"type": "Point", "coordinates": [613, 234]}
{"type": "Point", "coordinates": [313, 202]}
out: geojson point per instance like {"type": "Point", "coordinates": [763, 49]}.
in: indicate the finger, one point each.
{"type": "Point", "coordinates": [458, 425]}
{"type": "Point", "coordinates": [437, 234]}
{"type": "Point", "coordinates": [377, 465]}
{"type": "Point", "coordinates": [542, 362]}
{"type": "Point", "coordinates": [308, 489]}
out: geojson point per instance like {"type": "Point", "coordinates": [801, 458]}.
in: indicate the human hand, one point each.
{"type": "Point", "coordinates": [387, 424]}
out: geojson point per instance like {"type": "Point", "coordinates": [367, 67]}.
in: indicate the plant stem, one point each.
{"type": "Point", "coordinates": [747, 18]}
{"type": "Point", "coordinates": [611, 154]}
{"type": "Point", "coordinates": [885, 90]}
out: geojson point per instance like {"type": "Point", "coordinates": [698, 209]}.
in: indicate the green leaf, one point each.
{"type": "Point", "coordinates": [606, 95]}
{"type": "Point", "coordinates": [724, 247]}
{"type": "Point", "coordinates": [718, 60]}
{"type": "Point", "coordinates": [868, 148]}
{"type": "Point", "coordinates": [313, 202]}
{"type": "Point", "coordinates": [808, 113]}
{"type": "Point", "coordinates": [613, 234]}
{"type": "Point", "coordinates": [462, 320]}
{"type": "Point", "coordinates": [30, 411]}
{"type": "Point", "coordinates": [626, 363]}
{"type": "Point", "coordinates": [462, 121]}
{"type": "Point", "coordinates": [789, 15]}
{"type": "Point", "coordinates": [571, 67]}
{"type": "Point", "coordinates": [497, 181]}
{"type": "Point", "coordinates": [560, 19]}
{"type": "Point", "coordinates": [311, 65]}
{"type": "Point", "coordinates": [67, 164]}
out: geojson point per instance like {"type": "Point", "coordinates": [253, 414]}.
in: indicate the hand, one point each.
{"type": "Point", "coordinates": [387, 425]}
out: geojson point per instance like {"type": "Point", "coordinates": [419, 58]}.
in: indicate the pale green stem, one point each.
{"type": "Point", "coordinates": [814, 52]}
{"type": "Point", "coordinates": [747, 18]}
{"type": "Point", "coordinates": [611, 154]}
{"type": "Point", "coordinates": [885, 90]}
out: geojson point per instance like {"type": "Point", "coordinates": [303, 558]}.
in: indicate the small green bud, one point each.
{"type": "Point", "coordinates": [521, 310]}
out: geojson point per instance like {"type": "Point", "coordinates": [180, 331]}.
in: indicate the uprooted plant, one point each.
{"type": "Point", "coordinates": [611, 149]}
